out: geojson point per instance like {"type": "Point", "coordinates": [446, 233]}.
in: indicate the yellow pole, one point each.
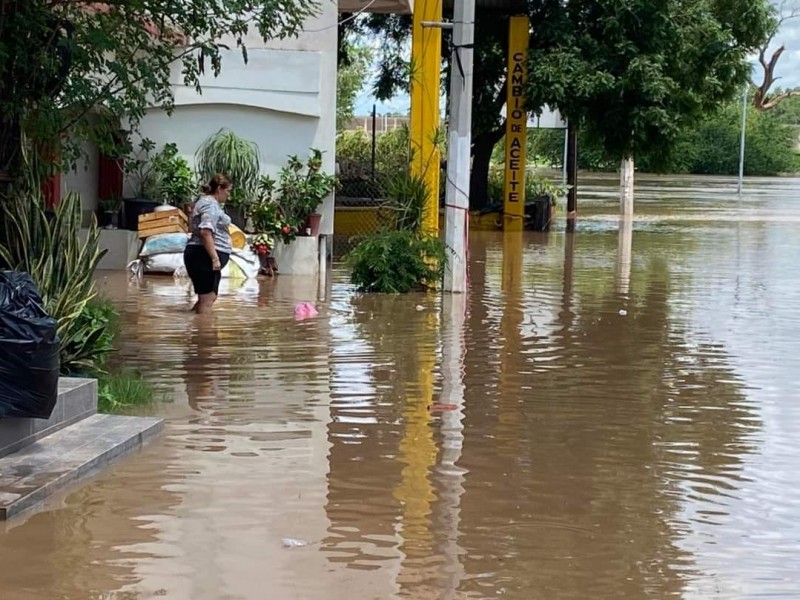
{"type": "Point", "coordinates": [508, 417]}
{"type": "Point", "coordinates": [426, 57]}
{"type": "Point", "coordinates": [418, 452]}
{"type": "Point", "coordinates": [516, 125]}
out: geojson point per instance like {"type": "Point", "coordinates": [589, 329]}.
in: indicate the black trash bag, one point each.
{"type": "Point", "coordinates": [29, 350]}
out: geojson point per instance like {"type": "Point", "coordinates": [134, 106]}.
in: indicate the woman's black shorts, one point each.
{"type": "Point", "coordinates": [198, 265]}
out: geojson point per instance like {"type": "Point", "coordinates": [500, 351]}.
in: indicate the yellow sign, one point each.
{"type": "Point", "coordinates": [516, 124]}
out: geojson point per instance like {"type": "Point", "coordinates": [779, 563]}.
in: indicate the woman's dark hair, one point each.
{"type": "Point", "coordinates": [217, 182]}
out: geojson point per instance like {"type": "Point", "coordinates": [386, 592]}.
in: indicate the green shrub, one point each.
{"type": "Point", "coordinates": [400, 258]}
{"type": "Point", "coordinates": [710, 147]}
{"type": "Point", "coordinates": [354, 155]}
{"type": "Point", "coordinates": [236, 158]}
{"type": "Point", "coordinates": [397, 262]}
{"type": "Point", "coordinates": [95, 330]}
{"type": "Point", "coordinates": [405, 206]}
{"type": "Point", "coordinates": [48, 245]}
{"type": "Point", "coordinates": [536, 186]}
{"type": "Point", "coordinates": [123, 390]}
{"type": "Point", "coordinates": [176, 181]}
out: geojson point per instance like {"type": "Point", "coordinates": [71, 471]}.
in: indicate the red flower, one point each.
{"type": "Point", "coordinates": [286, 229]}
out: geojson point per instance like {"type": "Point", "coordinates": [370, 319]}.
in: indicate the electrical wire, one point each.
{"type": "Point", "coordinates": [355, 15]}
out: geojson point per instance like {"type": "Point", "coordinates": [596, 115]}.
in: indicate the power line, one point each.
{"type": "Point", "coordinates": [355, 15]}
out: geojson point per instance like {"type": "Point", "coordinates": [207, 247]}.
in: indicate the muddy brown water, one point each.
{"type": "Point", "coordinates": [609, 414]}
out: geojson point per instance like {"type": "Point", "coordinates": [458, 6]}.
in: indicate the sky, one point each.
{"type": "Point", "coordinates": [788, 69]}
{"type": "Point", "coordinates": [789, 65]}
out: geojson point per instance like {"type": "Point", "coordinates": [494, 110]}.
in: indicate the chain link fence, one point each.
{"type": "Point", "coordinates": [358, 200]}
{"type": "Point", "coordinates": [367, 161]}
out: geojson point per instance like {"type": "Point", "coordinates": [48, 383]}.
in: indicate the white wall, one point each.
{"type": "Point", "coordinates": [284, 99]}
{"type": "Point", "coordinates": [84, 181]}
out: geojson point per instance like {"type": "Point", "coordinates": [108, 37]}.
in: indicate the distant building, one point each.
{"type": "Point", "coordinates": [382, 123]}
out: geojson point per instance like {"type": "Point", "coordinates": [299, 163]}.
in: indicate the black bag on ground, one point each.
{"type": "Point", "coordinates": [29, 350]}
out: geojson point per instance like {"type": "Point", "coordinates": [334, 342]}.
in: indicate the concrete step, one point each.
{"type": "Point", "coordinates": [32, 474]}
{"type": "Point", "coordinates": [77, 400]}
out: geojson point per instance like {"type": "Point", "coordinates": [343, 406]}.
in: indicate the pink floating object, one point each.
{"type": "Point", "coordinates": [305, 310]}
{"type": "Point", "coordinates": [434, 408]}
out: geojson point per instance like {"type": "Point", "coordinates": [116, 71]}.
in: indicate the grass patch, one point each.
{"type": "Point", "coordinates": [120, 391]}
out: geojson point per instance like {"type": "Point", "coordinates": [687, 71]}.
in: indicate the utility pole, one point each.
{"type": "Point", "coordinates": [459, 147]}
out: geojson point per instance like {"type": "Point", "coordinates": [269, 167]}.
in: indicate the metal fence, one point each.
{"type": "Point", "coordinates": [361, 192]}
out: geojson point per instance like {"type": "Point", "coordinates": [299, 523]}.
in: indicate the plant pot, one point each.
{"type": "Point", "coordinates": [137, 206]}
{"type": "Point", "coordinates": [539, 213]}
{"type": "Point", "coordinates": [238, 215]}
{"type": "Point", "coordinates": [111, 220]}
{"type": "Point", "coordinates": [313, 223]}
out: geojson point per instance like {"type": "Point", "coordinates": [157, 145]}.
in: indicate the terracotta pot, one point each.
{"type": "Point", "coordinates": [314, 221]}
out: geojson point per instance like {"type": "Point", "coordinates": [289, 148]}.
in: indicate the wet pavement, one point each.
{"type": "Point", "coordinates": [609, 414]}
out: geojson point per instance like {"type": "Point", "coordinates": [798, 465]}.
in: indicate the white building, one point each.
{"type": "Point", "coordinates": [284, 99]}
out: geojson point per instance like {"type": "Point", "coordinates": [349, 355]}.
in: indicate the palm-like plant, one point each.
{"type": "Point", "coordinates": [236, 158]}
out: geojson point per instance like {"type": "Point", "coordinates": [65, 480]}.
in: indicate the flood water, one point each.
{"type": "Point", "coordinates": [609, 414]}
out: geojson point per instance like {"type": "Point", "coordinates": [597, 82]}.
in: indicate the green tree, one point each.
{"type": "Point", "coordinates": [393, 76]}
{"type": "Point", "coordinates": [788, 111]}
{"type": "Point", "coordinates": [768, 151]}
{"type": "Point", "coordinates": [351, 79]}
{"type": "Point", "coordinates": [632, 73]}
{"type": "Point", "coordinates": [74, 67]}
{"type": "Point", "coordinates": [709, 147]}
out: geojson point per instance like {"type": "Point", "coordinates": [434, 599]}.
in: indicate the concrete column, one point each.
{"type": "Point", "coordinates": [626, 179]}
{"type": "Point", "coordinates": [459, 147]}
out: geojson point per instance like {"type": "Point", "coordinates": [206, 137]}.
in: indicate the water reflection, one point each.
{"type": "Point", "coordinates": [586, 439]}
{"type": "Point", "coordinates": [607, 414]}
{"type": "Point", "coordinates": [92, 543]}
{"type": "Point", "coordinates": [624, 255]}
{"type": "Point", "coordinates": [590, 456]}
{"type": "Point", "coordinates": [207, 370]}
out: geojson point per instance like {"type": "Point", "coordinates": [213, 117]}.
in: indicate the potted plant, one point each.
{"type": "Point", "coordinates": [237, 159]}
{"type": "Point", "coordinates": [267, 215]}
{"type": "Point", "coordinates": [540, 200]}
{"type": "Point", "coordinates": [111, 208]}
{"type": "Point", "coordinates": [302, 186]}
{"type": "Point", "coordinates": [175, 181]}
{"type": "Point", "coordinates": [139, 168]}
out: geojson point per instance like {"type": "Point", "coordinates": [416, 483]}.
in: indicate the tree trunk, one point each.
{"type": "Point", "coordinates": [482, 149]}
{"type": "Point", "coordinates": [572, 174]}
{"type": "Point", "coordinates": [626, 186]}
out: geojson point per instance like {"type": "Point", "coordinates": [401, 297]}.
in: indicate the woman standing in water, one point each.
{"type": "Point", "coordinates": [209, 246]}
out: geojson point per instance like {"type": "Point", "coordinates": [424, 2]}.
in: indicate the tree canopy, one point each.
{"type": "Point", "coordinates": [631, 73]}
{"type": "Point", "coordinates": [75, 67]}
{"type": "Point", "coordinates": [351, 79]}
